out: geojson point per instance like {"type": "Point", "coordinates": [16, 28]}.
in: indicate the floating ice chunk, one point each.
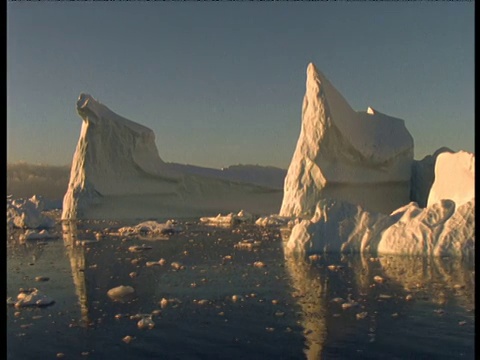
{"type": "Point", "coordinates": [272, 220]}
{"type": "Point", "coordinates": [146, 322]}
{"type": "Point", "coordinates": [120, 292]}
{"type": "Point", "coordinates": [37, 235]}
{"type": "Point", "coordinates": [150, 228]}
{"type": "Point", "coordinates": [31, 297]}
{"type": "Point", "coordinates": [27, 214]}
{"type": "Point", "coordinates": [228, 220]}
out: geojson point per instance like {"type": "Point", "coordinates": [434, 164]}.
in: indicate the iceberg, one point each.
{"type": "Point", "coordinates": [423, 174]}
{"type": "Point", "coordinates": [442, 229]}
{"type": "Point", "coordinates": [27, 214]}
{"type": "Point", "coordinates": [454, 178]}
{"type": "Point", "coordinates": [117, 173]}
{"type": "Point", "coordinates": [361, 157]}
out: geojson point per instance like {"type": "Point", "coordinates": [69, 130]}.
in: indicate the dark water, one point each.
{"type": "Point", "coordinates": [284, 309]}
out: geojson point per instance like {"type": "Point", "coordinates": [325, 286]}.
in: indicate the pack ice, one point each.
{"type": "Point", "coordinates": [117, 173]}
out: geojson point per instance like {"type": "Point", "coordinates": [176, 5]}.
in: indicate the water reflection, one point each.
{"type": "Point", "coordinates": [76, 255]}
{"type": "Point", "coordinates": [355, 300]}
{"type": "Point", "coordinates": [310, 292]}
{"type": "Point", "coordinates": [437, 278]}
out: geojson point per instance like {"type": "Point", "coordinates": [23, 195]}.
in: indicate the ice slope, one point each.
{"type": "Point", "coordinates": [117, 173]}
{"type": "Point", "coordinates": [438, 230]}
{"type": "Point", "coordinates": [361, 157]}
{"type": "Point", "coordinates": [454, 178]}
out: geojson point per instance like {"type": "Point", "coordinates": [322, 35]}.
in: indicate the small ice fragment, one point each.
{"type": "Point", "coordinates": [127, 339]}
{"type": "Point", "coordinates": [146, 323]}
{"type": "Point", "coordinates": [120, 291]}
{"type": "Point", "coordinates": [163, 303]}
{"type": "Point", "coordinates": [361, 315]}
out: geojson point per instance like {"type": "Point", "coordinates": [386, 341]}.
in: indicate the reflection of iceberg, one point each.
{"type": "Point", "coordinates": [435, 275]}
{"type": "Point", "coordinates": [76, 254]}
{"type": "Point", "coordinates": [310, 294]}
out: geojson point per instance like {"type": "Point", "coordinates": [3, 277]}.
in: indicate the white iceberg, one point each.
{"type": "Point", "coordinates": [438, 230]}
{"type": "Point", "coordinates": [27, 214]}
{"type": "Point", "coordinates": [454, 178]}
{"type": "Point", "coordinates": [361, 157]}
{"type": "Point", "coordinates": [117, 173]}
{"type": "Point", "coordinates": [423, 174]}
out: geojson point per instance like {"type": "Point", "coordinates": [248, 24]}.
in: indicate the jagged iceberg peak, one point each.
{"type": "Point", "coordinates": [341, 151]}
{"type": "Point", "coordinates": [93, 110]}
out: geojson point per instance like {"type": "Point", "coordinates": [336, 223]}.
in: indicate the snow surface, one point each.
{"type": "Point", "coordinates": [117, 174]}
{"type": "Point", "coordinates": [361, 157]}
{"type": "Point", "coordinates": [438, 230]}
{"type": "Point", "coordinates": [454, 178]}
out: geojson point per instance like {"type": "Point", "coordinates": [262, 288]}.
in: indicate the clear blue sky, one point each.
{"type": "Point", "coordinates": [223, 83]}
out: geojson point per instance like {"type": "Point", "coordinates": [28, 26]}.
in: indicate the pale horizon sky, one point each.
{"type": "Point", "coordinates": [222, 83]}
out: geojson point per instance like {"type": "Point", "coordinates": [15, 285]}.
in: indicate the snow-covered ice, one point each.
{"type": "Point", "coordinates": [361, 157]}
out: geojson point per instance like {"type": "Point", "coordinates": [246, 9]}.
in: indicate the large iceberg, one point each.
{"type": "Point", "coordinates": [117, 173]}
{"type": "Point", "coordinates": [439, 230]}
{"type": "Point", "coordinates": [361, 157]}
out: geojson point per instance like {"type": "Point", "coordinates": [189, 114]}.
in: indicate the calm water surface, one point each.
{"type": "Point", "coordinates": [287, 309]}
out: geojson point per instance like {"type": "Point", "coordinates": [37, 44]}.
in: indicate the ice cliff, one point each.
{"type": "Point", "coordinates": [361, 157]}
{"type": "Point", "coordinates": [117, 173]}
